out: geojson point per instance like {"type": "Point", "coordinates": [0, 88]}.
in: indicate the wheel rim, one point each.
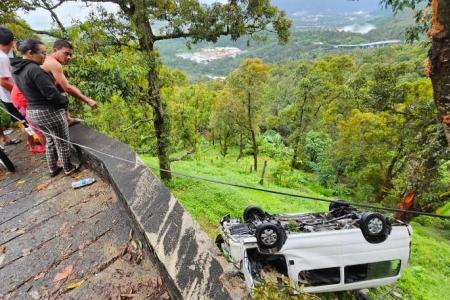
{"type": "Point", "coordinates": [375, 226]}
{"type": "Point", "coordinates": [269, 237]}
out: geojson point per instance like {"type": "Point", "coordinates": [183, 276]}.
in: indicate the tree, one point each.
{"type": "Point", "coordinates": [248, 82]}
{"type": "Point", "coordinates": [190, 110]}
{"type": "Point", "coordinates": [439, 54]}
{"type": "Point", "coordinates": [317, 85]}
{"type": "Point", "coordinates": [226, 119]}
{"type": "Point", "coordinates": [367, 145]}
{"type": "Point", "coordinates": [181, 19]}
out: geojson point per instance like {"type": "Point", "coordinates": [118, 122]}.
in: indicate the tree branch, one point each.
{"type": "Point", "coordinates": [49, 33]}
{"type": "Point", "coordinates": [54, 15]}
{"type": "Point", "coordinates": [176, 35]}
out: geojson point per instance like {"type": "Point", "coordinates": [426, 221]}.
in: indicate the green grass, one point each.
{"type": "Point", "coordinates": [208, 202]}
{"type": "Point", "coordinates": [444, 210]}
{"type": "Point", "coordinates": [426, 277]}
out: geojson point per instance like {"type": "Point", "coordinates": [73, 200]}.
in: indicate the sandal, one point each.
{"type": "Point", "coordinates": [56, 172]}
{"type": "Point", "coordinates": [75, 121]}
{"type": "Point", "coordinates": [13, 142]}
{"type": "Point", "coordinates": [73, 170]}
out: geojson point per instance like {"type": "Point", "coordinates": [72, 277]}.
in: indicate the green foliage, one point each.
{"type": "Point", "coordinates": [271, 289]}
{"type": "Point", "coordinates": [5, 120]}
{"type": "Point", "coordinates": [281, 173]}
{"type": "Point", "coordinates": [271, 144]}
{"type": "Point", "coordinates": [365, 146]}
{"type": "Point", "coordinates": [315, 149]}
{"type": "Point", "coordinates": [130, 124]}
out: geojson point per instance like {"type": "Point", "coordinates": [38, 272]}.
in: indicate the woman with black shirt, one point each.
{"type": "Point", "coordinates": [46, 105]}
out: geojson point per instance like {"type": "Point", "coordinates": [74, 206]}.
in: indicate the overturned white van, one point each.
{"type": "Point", "coordinates": [343, 249]}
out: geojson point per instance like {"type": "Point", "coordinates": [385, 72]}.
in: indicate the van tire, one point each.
{"type": "Point", "coordinates": [253, 212]}
{"type": "Point", "coordinates": [374, 227]}
{"type": "Point", "coordinates": [219, 241]}
{"type": "Point", "coordinates": [270, 237]}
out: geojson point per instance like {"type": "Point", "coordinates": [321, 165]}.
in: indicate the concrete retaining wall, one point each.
{"type": "Point", "coordinates": [187, 255]}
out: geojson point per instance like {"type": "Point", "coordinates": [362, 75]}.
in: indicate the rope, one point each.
{"type": "Point", "coordinates": [216, 181]}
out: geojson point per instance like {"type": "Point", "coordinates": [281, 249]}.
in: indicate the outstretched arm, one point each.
{"type": "Point", "coordinates": [72, 90]}
{"type": "Point", "coordinates": [6, 83]}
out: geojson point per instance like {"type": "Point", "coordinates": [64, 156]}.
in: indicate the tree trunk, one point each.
{"type": "Point", "coordinates": [224, 144]}
{"type": "Point", "coordinates": [299, 123]}
{"type": "Point", "coordinates": [252, 133]}
{"type": "Point", "coordinates": [241, 147]}
{"type": "Point", "coordinates": [139, 17]}
{"type": "Point", "coordinates": [387, 185]}
{"type": "Point", "coordinates": [261, 182]}
{"type": "Point", "coordinates": [440, 61]}
{"type": "Point", "coordinates": [294, 164]}
{"type": "Point", "coordinates": [161, 123]}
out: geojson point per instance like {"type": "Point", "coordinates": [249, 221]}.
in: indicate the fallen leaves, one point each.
{"type": "Point", "coordinates": [42, 186]}
{"type": "Point", "coordinates": [2, 253]}
{"type": "Point", "coordinates": [133, 250]}
{"type": "Point", "coordinates": [66, 272]}
{"type": "Point", "coordinates": [75, 284]}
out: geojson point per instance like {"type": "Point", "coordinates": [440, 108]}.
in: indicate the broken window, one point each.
{"type": "Point", "coordinates": [263, 266]}
{"type": "Point", "coordinates": [370, 271]}
{"type": "Point", "coordinates": [320, 276]}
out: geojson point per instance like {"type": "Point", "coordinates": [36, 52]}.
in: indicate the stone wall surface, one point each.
{"type": "Point", "coordinates": [183, 249]}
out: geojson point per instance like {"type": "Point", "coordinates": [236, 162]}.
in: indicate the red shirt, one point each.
{"type": "Point", "coordinates": [18, 99]}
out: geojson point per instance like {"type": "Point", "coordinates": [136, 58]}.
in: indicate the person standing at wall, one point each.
{"type": "Point", "coordinates": [6, 82]}
{"type": "Point", "coordinates": [46, 105]}
{"type": "Point", "coordinates": [62, 55]}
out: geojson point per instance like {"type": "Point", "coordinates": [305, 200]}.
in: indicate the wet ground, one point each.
{"type": "Point", "coordinates": [61, 243]}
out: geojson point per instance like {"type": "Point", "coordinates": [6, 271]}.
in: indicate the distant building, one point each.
{"type": "Point", "coordinates": [209, 54]}
{"type": "Point", "coordinates": [369, 45]}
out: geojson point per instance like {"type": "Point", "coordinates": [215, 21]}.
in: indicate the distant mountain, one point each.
{"type": "Point", "coordinates": [327, 6]}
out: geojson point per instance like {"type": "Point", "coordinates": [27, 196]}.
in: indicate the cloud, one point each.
{"type": "Point", "coordinates": [69, 12]}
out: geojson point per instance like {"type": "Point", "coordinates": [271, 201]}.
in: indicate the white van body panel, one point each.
{"type": "Point", "coordinates": [329, 249]}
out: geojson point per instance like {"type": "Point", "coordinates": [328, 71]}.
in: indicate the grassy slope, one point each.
{"type": "Point", "coordinates": [444, 210]}
{"type": "Point", "coordinates": [427, 277]}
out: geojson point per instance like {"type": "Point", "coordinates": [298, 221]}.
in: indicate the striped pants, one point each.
{"type": "Point", "coordinates": [53, 123]}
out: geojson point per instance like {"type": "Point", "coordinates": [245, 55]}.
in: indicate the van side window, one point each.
{"type": "Point", "coordinates": [320, 276]}
{"type": "Point", "coordinates": [370, 271]}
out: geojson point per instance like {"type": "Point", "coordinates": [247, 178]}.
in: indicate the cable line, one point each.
{"type": "Point", "coordinates": [216, 181]}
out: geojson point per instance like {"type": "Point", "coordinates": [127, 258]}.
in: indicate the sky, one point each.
{"type": "Point", "coordinates": [68, 12]}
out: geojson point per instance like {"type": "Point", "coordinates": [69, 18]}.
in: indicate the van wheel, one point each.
{"type": "Point", "coordinates": [270, 237]}
{"type": "Point", "coordinates": [252, 213]}
{"type": "Point", "coordinates": [374, 227]}
{"type": "Point", "coordinates": [225, 219]}
{"type": "Point", "coordinates": [219, 241]}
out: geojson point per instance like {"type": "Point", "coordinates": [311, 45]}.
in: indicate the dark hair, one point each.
{"type": "Point", "coordinates": [59, 44]}
{"type": "Point", "coordinates": [30, 45]}
{"type": "Point", "coordinates": [6, 36]}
